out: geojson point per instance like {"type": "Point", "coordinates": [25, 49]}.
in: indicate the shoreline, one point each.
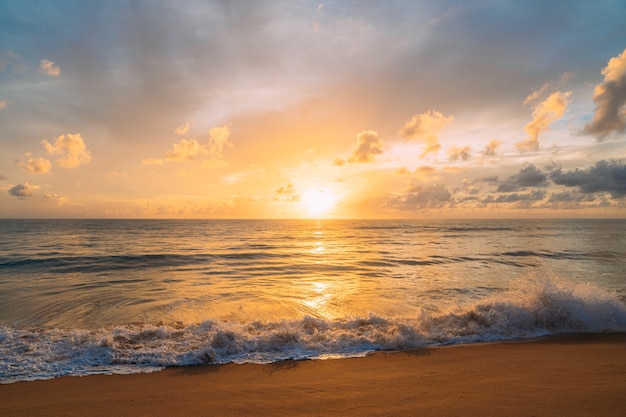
{"type": "Point", "coordinates": [574, 375]}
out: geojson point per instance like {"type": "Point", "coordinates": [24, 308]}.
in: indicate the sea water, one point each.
{"type": "Point", "coordinates": [80, 297]}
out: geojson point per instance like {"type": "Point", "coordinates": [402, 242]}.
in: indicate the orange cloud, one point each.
{"type": "Point", "coordinates": [536, 94]}
{"type": "Point", "coordinates": [219, 139]}
{"type": "Point", "coordinates": [368, 146]}
{"type": "Point", "coordinates": [424, 128]}
{"type": "Point", "coordinates": [491, 147]}
{"type": "Point", "coordinates": [546, 112]}
{"type": "Point", "coordinates": [338, 162]}
{"type": "Point", "coordinates": [72, 148]}
{"type": "Point", "coordinates": [455, 153]}
{"type": "Point", "coordinates": [35, 165]}
{"type": "Point", "coordinates": [182, 129]}
{"type": "Point", "coordinates": [185, 150]}
{"type": "Point", "coordinates": [152, 161]}
{"type": "Point", "coordinates": [287, 193]}
{"type": "Point", "coordinates": [190, 149]}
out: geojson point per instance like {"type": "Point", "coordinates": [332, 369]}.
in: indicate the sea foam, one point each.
{"type": "Point", "coordinates": [537, 305]}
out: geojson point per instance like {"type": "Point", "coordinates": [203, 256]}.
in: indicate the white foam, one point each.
{"type": "Point", "coordinates": [539, 304]}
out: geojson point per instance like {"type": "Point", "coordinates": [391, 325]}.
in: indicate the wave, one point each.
{"type": "Point", "coordinates": [536, 305]}
{"type": "Point", "coordinates": [96, 264]}
{"type": "Point", "coordinates": [77, 264]}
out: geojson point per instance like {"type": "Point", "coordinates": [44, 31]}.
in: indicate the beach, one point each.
{"type": "Point", "coordinates": [577, 375]}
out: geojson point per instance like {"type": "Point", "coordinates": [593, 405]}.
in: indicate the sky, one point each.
{"type": "Point", "coordinates": [297, 109]}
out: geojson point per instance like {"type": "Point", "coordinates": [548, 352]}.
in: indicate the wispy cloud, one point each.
{"type": "Point", "coordinates": [182, 129]}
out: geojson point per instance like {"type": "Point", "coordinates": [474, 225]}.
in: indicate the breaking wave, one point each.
{"type": "Point", "coordinates": [536, 305]}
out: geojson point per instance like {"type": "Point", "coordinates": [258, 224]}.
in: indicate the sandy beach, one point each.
{"type": "Point", "coordinates": [583, 375]}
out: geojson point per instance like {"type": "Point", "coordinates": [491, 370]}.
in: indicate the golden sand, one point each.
{"type": "Point", "coordinates": [565, 376]}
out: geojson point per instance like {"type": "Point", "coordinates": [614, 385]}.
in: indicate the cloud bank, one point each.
{"type": "Point", "coordinates": [605, 176]}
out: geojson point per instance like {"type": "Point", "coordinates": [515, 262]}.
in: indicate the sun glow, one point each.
{"type": "Point", "coordinates": [318, 201]}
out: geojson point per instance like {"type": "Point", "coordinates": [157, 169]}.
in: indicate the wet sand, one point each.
{"type": "Point", "coordinates": [583, 375]}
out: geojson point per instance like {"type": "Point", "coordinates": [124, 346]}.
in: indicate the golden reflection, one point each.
{"type": "Point", "coordinates": [319, 248]}
{"type": "Point", "coordinates": [322, 296]}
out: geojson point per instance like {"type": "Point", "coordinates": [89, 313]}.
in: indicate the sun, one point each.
{"type": "Point", "coordinates": [318, 201]}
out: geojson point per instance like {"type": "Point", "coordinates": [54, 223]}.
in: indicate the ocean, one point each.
{"type": "Point", "coordinates": [81, 297]}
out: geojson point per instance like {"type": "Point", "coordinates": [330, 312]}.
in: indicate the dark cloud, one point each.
{"type": "Point", "coordinates": [22, 190]}
{"type": "Point", "coordinates": [605, 176]}
{"type": "Point", "coordinates": [573, 200]}
{"type": "Point", "coordinates": [424, 197]}
{"type": "Point", "coordinates": [568, 197]}
{"type": "Point", "coordinates": [526, 177]}
{"type": "Point", "coordinates": [535, 195]}
{"type": "Point", "coordinates": [610, 100]}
